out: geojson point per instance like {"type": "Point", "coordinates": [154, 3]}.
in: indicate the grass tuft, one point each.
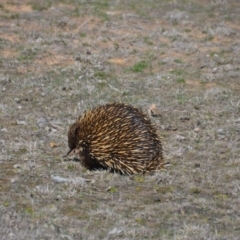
{"type": "Point", "coordinates": [140, 66]}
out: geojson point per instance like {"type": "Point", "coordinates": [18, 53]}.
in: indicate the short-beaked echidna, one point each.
{"type": "Point", "coordinates": [118, 137]}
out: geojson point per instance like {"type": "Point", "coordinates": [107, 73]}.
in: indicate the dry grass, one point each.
{"type": "Point", "coordinates": [59, 58]}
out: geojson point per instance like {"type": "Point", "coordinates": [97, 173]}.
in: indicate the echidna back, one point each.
{"type": "Point", "coordinates": [121, 137]}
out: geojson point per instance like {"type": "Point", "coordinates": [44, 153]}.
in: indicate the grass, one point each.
{"type": "Point", "coordinates": [178, 61]}
{"type": "Point", "coordinates": [139, 67]}
{"type": "Point", "coordinates": [27, 55]}
{"type": "Point", "coordinates": [101, 75]}
{"type": "Point", "coordinates": [63, 71]}
{"type": "Point", "coordinates": [181, 80]}
{"type": "Point", "coordinates": [148, 41]}
{"type": "Point", "coordinates": [41, 5]}
{"type": "Point", "coordinates": [177, 72]}
{"type": "Point", "coordinates": [209, 37]}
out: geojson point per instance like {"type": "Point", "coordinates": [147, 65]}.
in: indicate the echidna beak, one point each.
{"type": "Point", "coordinates": [71, 151]}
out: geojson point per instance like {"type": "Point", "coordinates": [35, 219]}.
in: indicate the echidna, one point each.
{"type": "Point", "coordinates": [118, 137]}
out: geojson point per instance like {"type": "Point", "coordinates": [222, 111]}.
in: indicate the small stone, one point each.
{"type": "Point", "coordinates": [221, 131]}
{"type": "Point", "coordinates": [180, 138]}
{"type": "Point", "coordinates": [43, 94]}
{"type": "Point", "coordinates": [48, 129]}
{"type": "Point", "coordinates": [58, 197]}
{"type": "Point", "coordinates": [21, 122]}
{"type": "Point", "coordinates": [4, 130]}
{"type": "Point", "coordinates": [54, 130]}
{"type": "Point", "coordinates": [214, 70]}
{"type": "Point", "coordinates": [58, 179]}
{"type": "Point", "coordinates": [196, 129]}
{"type": "Point", "coordinates": [17, 166]}
{"type": "Point", "coordinates": [17, 100]}
{"type": "Point", "coordinates": [163, 127]}
{"type": "Point", "coordinates": [13, 180]}
{"type": "Point", "coordinates": [12, 236]}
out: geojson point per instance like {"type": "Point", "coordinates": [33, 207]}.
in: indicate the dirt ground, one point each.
{"type": "Point", "coordinates": [59, 58]}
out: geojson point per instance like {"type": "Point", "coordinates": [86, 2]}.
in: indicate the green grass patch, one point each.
{"type": "Point", "coordinates": [139, 178]}
{"type": "Point", "coordinates": [140, 221]}
{"type": "Point", "coordinates": [112, 190]}
{"type": "Point", "coordinates": [71, 167]}
{"type": "Point", "coordinates": [195, 191]}
{"type": "Point", "coordinates": [162, 63]}
{"type": "Point", "coordinates": [29, 210]}
{"type": "Point", "coordinates": [164, 189]}
{"type": "Point", "coordinates": [148, 41]}
{"type": "Point", "coordinates": [220, 196]}
{"type": "Point", "coordinates": [177, 61]}
{"type": "Point", "coordinates": [140, 66]}
{"type": "Point", "coordinates": [10, 16]}
{"type": "Point", "coordinates": [41, 5]}
{"type": "Point", "coordinates": [86, 44]}
{"type": "Point", "coordinates": [6, 204]}
{"type": "Point", "coordinates": [82, 35]}
{"type": "Point", "coordinates": [101, 75]}
{"type": "Point", "coordinates": [209, 37]}
{"type": "Point", "coordinates": [100, 9]}
{"type": "Point", "coordinates": [181, 80]}
{"type": "Point", "coordinates": [219, 53]}
{"type": "Point", "coordinates": [177, 72]}
{"type": "Point", "coordinates": [27, 55]}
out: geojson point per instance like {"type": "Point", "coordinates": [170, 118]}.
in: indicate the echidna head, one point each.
{"type": "Point", "coordinates": [72, 137]}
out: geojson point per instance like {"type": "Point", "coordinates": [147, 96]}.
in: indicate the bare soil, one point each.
{"type": "Point", "coordinates": [59, 58]}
